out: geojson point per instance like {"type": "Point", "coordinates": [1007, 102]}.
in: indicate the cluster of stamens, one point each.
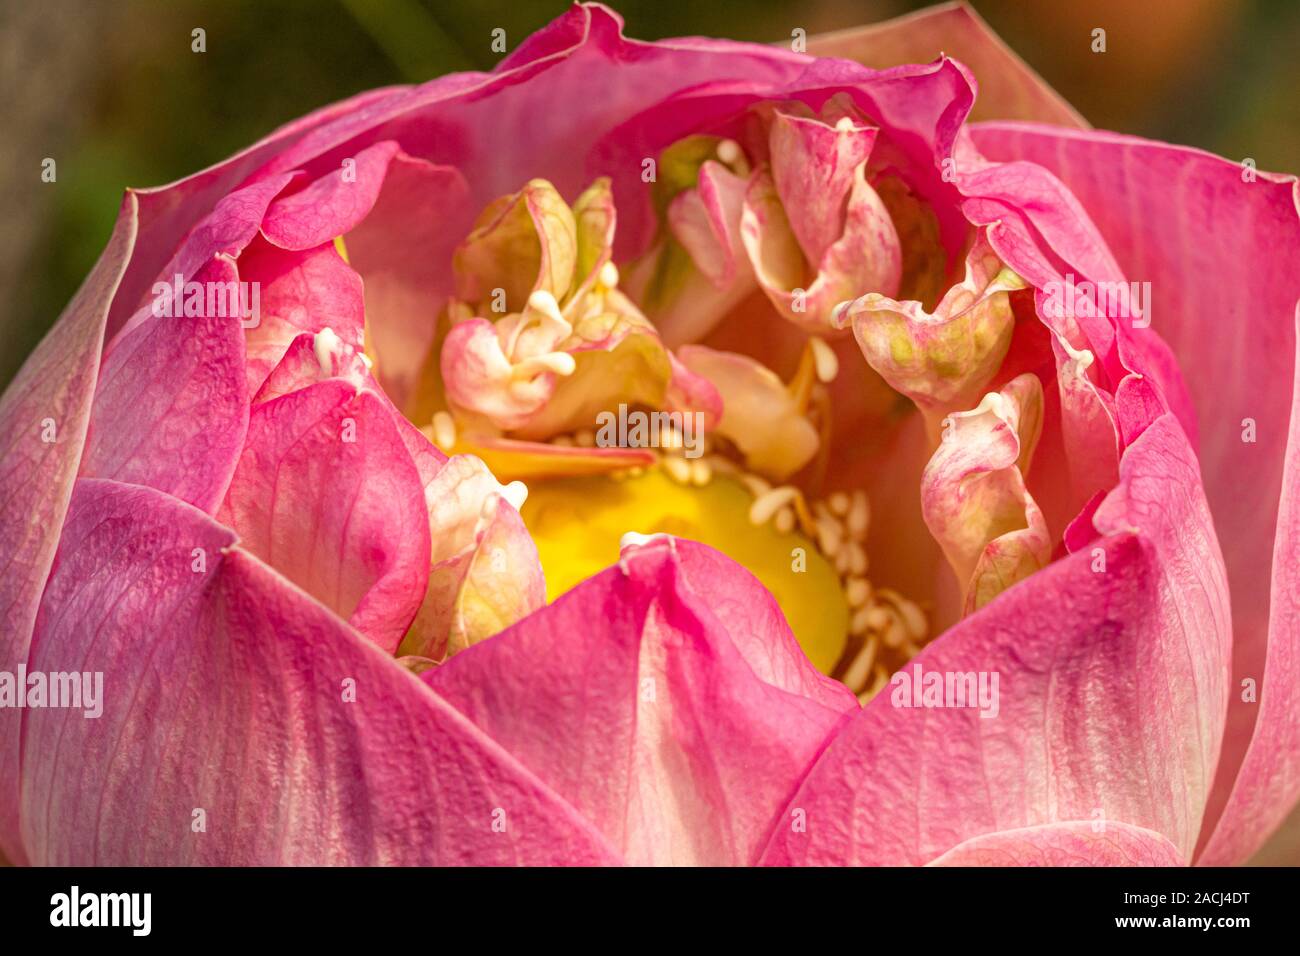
{"type": "Point", "coordinates": [885, 628]}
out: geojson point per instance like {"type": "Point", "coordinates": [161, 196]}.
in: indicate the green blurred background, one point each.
{"type": "Point", "coordinates": [112, 91]}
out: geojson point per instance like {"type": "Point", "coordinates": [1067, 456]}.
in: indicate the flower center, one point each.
{"type": "Point", "coordinates": [578, 523]}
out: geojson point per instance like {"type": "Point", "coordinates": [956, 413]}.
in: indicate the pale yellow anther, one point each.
{"type": "Point", "coordinates": [829, 536]}
{"type": "Point", "coordinates": [859, 515]}
{"type": "Point", "coordinates": [858, 591]}
{"type": "Point", "coordinates": [444, 430]}
{"type": "Point", "coordinates": [327, 346]}
{"type": "Point", "coordinates": [824, 359]}
{"type": "Point", "coordinates": [860, 669]}
{"type": "Point", "coordinates": [894, 634]}
{"type": "Point", "coordinates": [768, 504]}
{"type": "Point", "coordinates": [729, 152]}
{"type": "Point", "coordinates": [1079, 360]}
{"type": "Point", "coordinates": [516, 492]}
{"type": "Point", "coordinates": [861, 621]}
{"type": "Point", "coordinates": [544, 302]}
{"type": "Point", "coordinates": [560, 363]}
{"type": "Point", "coordinates": [784, 521]}
{"type": "Point", "coordinates": [678, 469]}
{"type": "Point", "coordinates": [608, 275]}
{"type": "Point", "coordinates": [701, 472]}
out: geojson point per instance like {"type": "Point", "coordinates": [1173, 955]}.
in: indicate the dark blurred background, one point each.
{"type": "Point", "coordinates": [113, 92]}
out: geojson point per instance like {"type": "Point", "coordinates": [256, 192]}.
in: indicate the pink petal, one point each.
{"type": "Point", "coordinates": [865, 257]}
{"type": "Point", "coordinates": [479, 376]}
{"type": "Point", "coordinates": [1268, 783]}
{"type": "Point", "coordinates": [485, 573]}
{"type": "Point", "coordinates": [689, 392]}
{"type": "Point", "coordinates": [758, 413]}
{"type": "Point", "coordinates": [331, 205]}
{"type": "Point", "coordinates": [300, 291]}
{"type": "Point", "coordinates": [326, 493]}
{"type": "Point", "coordinates": [56, 384]}
{"type": "Point", "coordinates": [1009, 88]}
{"type": "Point", "coordinates": [1112, 688]}
{"type": "Point", "coordinates": [230, 223]}
{"type": "Point", "coordinates": [1088, 423]}
{"type": "Point", "coordinates": [684, 728]}
{"type": "Point", "coordinates": [1099, 843]}
{"type": "Point", "coordinates": [170, 407]}
{"type": "Point", "coordinates": [813, 163]}
{"type": "Point", "coordinates": [168, 213]}
{"type": "Point", "coordinates": [315, 358]}
{"type": "Point", "coordinates": [1042, 231]}
{"type": "Point", "coordinates": [973, 492]}
{"type": "Point", "coordinates": [230, 691]}
{"type": "Point", "coordinates": [1225, 303]}
{"type": "Point", "coordinates": [403, 251]}
{"type": "Point", "coordinates": [521, 243]}
{"type": "Point", "coordinates": [706, 221]}
{"type": "Point", "coordinates": [942, 360]}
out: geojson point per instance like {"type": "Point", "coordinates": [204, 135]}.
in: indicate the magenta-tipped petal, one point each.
{"type": "Point", "coordinates": [44, 414]}
{"type": "Point", "coordinates": [243, 723]}
{"type": "Point", "coordinates": [1083, 843]}
{"type": "Point", "coordinates": [170, 407]}
{"type": "Point", "coordinates": [327, 494]}
{"type": "Point", "coordinates": [1111, 669]}
{"type": "Point", "coordinates": [687, 717]}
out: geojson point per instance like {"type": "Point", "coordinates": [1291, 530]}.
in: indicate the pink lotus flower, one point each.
{"type": "Point", "coordinates": [310, 552]}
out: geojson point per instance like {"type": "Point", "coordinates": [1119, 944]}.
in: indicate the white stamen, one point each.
{"type": "Point", "coordinates": [541, 307]}
{"type": "Point", "coordinates": [327, 346]}
{"type": "Point", "coordinates": [994, 402]}
{"type": "Point", "coordinates": [769, 503]}
{"type": "Point", "coordinates": [894, 634]}
{"type": "Point", "coordinates": [544, 302]}
{"type": "Point", "coordinates": [516, 493]}
{"type": "Point", "coordinates": [634, 539]}
{"type": "Point", "coordinates": [844, 124]}
{"type": "Point", "coordinates": [561, 363]}
{"type": "Point", "coordinates": [608, 275]}
{"type": "Point", "coordinates": [678, 469]}
{"type": "Point", "coordinates": [701, 472]}
{"type": "Point", "coordinates": [829, 536]}
{"type": "Point", "coordinates": [824, 360]}
{"type": "Point", "coordinates": [911, 616]}
{"type": "Point", "coordinates": [858, 517]}
{"type": "Point", "coordinates": [1081, 359]}
{"type": "Point", "coordinates": [444, 430]}
{"type": "Point", "coordinates": [860, 623]}
{"type": "Point", "coordinates": [858, 671]}
{"type": "Point", "coordinates": [729, 152]}
{"type": "Point", "coordinates": [857, 591]}
{"type": "Point", "coordinates": [784, 521]}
